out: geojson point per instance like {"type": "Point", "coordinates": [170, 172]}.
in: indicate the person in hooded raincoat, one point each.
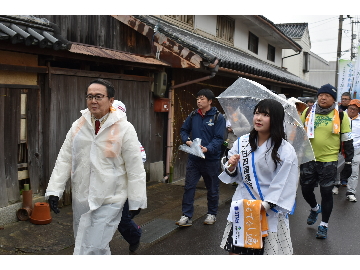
{"type": "Point", "coordinates": [101, 156]}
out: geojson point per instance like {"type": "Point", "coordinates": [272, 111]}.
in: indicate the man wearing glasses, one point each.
{"type": "Point", "coordinates": [345, 100]}
{"type": "Point", "coordinates": [101, 156]}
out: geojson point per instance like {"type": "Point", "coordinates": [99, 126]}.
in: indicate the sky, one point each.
{"type": "Point", "coordinates": [323, 31]}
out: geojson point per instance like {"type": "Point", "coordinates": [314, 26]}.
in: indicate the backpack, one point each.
{"type": "Point", "coordinates": [216, 115]}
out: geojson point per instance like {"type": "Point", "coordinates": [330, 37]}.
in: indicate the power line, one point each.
{"type": "Point", "coordinates": [322, 40]}
{"type": "Point", "coordinates": [322, 29]}
{"type": "Point", "coordinates": [332, 18]}
{"type": "Point", "coordinates": [319, 25]}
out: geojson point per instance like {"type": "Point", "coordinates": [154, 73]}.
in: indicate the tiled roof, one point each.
{"type": "Point", "coordinates": [113, 54]}
{"type": "Point", "coordinates": [278, 28]}
{"type": "Point", "coordinates": [230, 58]}
{"type": "Point", "coordinates": [31, 30]}
{"type": "Point", "coordinates": [293, 30]}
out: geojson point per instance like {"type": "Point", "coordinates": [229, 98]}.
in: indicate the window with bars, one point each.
{"type": "Point", "coordinates": [225, 28]}
{"type": "Point", "coordinates": [253, 43]}
{"type": "Point", "coordinates": [189, 19]}
{"type": "Point", "coordinates": [271, 53]}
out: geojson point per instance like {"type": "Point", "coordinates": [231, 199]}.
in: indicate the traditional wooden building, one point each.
{"type": "Point", "coordinates": [201, 57]}
{"type": "Point", "coordinates": [45, 68]}
{"type": "Point", "coordinates": [156, 66]}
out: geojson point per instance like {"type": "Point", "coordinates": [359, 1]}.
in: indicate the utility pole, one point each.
{"type": "Point", "coordinates": [353, 36]}
{"type": "Point", "coordinates": [338, 55]}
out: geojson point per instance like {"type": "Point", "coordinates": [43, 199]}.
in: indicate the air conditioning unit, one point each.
{"type": "Point", "coordinates": [160, 84]}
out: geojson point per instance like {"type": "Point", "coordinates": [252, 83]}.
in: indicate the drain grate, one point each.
{"type": "Point", "coordinates": [156, 229]}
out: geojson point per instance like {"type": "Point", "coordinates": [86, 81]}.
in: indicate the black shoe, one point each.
{"type": "Point", "coordinates": [322, 232]}
{"type": "Point", "coordinates": [313, 216]}
{"type": "Point", "coordinates": [134, 247]}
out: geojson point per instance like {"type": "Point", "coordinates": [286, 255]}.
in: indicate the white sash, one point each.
{"type": "Point", "coordinates": [310, 125]}
{"type": "Point", "coordinates": [247, 168]}
{"type": "Point", "coordinates": [248, 171]}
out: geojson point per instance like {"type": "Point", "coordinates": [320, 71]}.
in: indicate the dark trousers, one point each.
{"type": "Point", "coordinates": [128, 228]}
{"type": "Point", "coordinates": [316, 173]}
{"type": "Point", "coordinates": [209, 170]}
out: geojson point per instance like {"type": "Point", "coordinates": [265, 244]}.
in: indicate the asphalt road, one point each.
{"type": "Point", "coordinates": [343, 235]}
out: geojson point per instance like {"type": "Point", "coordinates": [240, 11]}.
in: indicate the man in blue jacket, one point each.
{"type": "Point", "coordinates": [208, 124]}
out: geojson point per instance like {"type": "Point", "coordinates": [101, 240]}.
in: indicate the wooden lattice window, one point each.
{"type": "Point", "coordinates": [225, 28]}
{"type": "Point", "coordinates": [253, 43]}
{"type": "Point", "coordinates": [189, 19]}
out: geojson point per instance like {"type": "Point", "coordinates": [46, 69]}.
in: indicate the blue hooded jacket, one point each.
{"type": "Point", "coordinates": [210, 133]}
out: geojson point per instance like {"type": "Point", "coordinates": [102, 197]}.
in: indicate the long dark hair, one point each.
{"type": "Point", "coordinates": [277, 133]}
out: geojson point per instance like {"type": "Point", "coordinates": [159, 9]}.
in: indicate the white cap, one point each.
{"type": "Point", "coordinates": [117, 104]}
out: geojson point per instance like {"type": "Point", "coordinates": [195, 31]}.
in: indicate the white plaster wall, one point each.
{"type": "Point", "coordinates": [294, 64]}
{"type": "Point", "coordinates": [241, 36]}
{"type": "Point", "coordinates": [241, 39]}
{"type": "Point", "coordinates": [278, 56]}
{"type": "Point", "coordinates": [206, 23]}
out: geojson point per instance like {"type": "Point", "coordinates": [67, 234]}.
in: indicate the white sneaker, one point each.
{"type": "Point", "coordinates": [335, 190]}
{"type": "Point", "coordinates": [351, 198]}
{"type": "Point", "coordinates": [184, 221]}
{"type": "Point", "coordinates": [210, 219]}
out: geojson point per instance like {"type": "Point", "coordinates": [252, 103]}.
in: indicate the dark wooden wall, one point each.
{"type": "Point", "coordinates": [3, 189]}
{"type": "Point", "coordinates": [64, 99]}
{"type": "Point", "coordinates": [100, 30]}
{"type": "Point", "coordinates": [10, 99]}
{"type": "Point", "coordinates": [185, 103]}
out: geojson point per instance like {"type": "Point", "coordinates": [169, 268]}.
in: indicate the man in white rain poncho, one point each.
{"type": "Point", "coordinates": [101, 156]}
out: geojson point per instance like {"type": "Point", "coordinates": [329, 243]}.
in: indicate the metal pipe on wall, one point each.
{"type": "Point", "coordinates": [169, 144]}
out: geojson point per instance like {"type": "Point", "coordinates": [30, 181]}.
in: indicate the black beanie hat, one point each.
{"type": "Point", "coordinates": [329, 89]}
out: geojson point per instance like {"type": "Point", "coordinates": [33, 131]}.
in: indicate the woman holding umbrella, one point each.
{"type": "Point", "coordinates": [265, 166]}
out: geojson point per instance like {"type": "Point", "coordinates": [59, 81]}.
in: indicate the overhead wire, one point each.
{"type": "Point", "coordinates": [324, 20]}
{"type": "Point", "coordinates": [312, 27]}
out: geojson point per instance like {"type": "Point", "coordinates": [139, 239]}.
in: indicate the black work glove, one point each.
{"type": "Point", "coordinates": [133, 213]}
{"type": "Point", "coordinates": [53, 202]}
{"type": "Point", "coordinates": [347, 171]}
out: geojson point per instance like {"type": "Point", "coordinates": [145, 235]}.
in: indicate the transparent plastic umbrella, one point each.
{"type": "Point", "coordinates": [238, 102]}
{"type": "Point", "coordinates": [194, 149]}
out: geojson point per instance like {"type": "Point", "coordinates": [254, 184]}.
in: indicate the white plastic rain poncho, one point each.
{"type": "Point", "coordinates": [105, 170]}
{"type": "Point", "coordinates": [118, 105]}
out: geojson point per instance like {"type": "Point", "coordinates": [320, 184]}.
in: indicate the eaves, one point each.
{"type": "Point", "coordinates": [190, 46]}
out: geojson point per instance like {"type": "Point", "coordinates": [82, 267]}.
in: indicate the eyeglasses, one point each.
{"type": "Point", "coordinates": [98, 97]}
{"type": "Point", "coordinates": [352, 109]}
{"type": "Point", "coordinates": [345, 98]}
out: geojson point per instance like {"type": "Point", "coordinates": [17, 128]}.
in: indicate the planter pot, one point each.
{"type": "Point", "coordinates": [24, 213]}
{"type": "Point", "coordinates": [41, 214]}
{"type": "Point", "coordinates": [27, 199]}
